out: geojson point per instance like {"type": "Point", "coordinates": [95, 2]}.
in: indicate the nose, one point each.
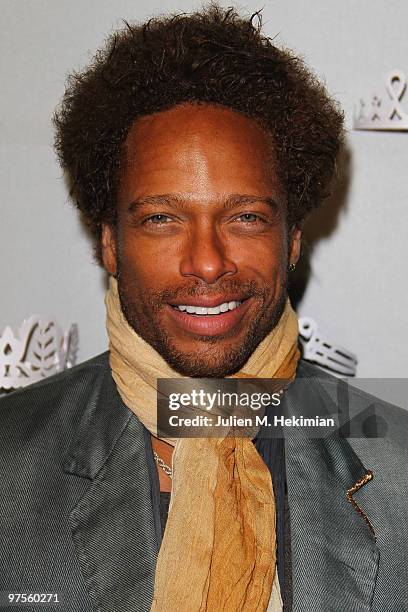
{"type": "Point", "coordinates": [205, 256]}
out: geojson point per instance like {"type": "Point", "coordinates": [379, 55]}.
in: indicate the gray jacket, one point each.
{"type": "Point", "coordinates": [79, 502]}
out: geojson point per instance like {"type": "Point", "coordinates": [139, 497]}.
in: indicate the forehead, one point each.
{"type": "Point", "coordinates": [198, 148]}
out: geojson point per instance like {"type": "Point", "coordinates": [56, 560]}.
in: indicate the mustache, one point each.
{"type": "Point", "coordinates": [228, 287]}
{"type": "Point", "coordinates": [199, 289]}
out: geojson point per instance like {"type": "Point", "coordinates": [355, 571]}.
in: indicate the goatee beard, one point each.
{"type": "Point", "coordinates": [209, 362]}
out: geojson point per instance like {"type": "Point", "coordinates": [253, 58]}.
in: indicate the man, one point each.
{"type": "Point", "coordinates": [194, 149]}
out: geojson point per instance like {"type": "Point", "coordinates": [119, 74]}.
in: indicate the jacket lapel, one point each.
{"type": "Point", "coordinates": [334, 553]}
{"type": "Point", "coordinates": [115, 534]}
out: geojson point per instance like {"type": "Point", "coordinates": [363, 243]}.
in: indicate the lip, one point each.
{"type": "Point", "coordinates": [210, 302]}
{"type": "Point", "coordinates": [209, 325]}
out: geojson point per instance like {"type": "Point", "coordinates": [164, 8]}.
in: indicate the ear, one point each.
{"type": "Point", "coordinates": [295, 244]}
{"type": "Point", "coordinates": [109, 248]}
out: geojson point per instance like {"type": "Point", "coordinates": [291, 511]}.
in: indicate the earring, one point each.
{"type": "Point", "coordinates": [292, 267]}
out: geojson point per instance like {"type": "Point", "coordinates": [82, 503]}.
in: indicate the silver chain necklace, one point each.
{"type": "Point", "coordinates": [166, 468]}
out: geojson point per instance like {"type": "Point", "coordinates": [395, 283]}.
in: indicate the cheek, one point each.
{"type": "Point", "coordinates": [146, 262]}
{"type": "Point", "coordinates": [264, 257]}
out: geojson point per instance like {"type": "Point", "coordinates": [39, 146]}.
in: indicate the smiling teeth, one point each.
{"type": "Point", "coordinates": [201, 310]}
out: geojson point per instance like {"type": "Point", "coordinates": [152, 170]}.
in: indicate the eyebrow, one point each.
{"type": "Point", "coordinates": [179, 200]}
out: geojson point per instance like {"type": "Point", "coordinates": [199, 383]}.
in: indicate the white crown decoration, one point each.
{"type": "Point", "coordinates": [317, 349]}
{"type": "Point", "coordinates": [388, 114]}
{"type": "Point", "coordinates": [38, 350]}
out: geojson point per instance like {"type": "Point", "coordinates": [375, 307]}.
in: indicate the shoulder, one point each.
{"type": "Point", "coordinates": [57, 400]}
{"type": "Point", "coordinates": [370, 416]}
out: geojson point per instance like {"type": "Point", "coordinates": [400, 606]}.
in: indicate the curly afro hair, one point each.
{"type": "Point", "coordinates": [212, 56]}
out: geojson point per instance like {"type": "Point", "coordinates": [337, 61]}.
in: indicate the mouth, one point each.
{"type": "Point", "coordinates": [209, 317]}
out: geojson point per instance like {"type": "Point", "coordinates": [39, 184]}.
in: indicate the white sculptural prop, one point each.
{"type": "Point", "coordinates": [38, 350]}
{"type": "Point", "coordinates": [323, 352]}
{"type": "Point", "coordinates": [385, 112]}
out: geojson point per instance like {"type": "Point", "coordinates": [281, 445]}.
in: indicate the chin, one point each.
{"type": "Point", "coordinates": [201, 369]}
{"type": "Point", "coordinates": [207, 360]}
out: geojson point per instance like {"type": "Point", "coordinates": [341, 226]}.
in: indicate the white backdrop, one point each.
{"type": "Point", "coordinates": [357, 290]}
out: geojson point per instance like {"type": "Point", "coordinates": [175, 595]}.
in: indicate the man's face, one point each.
{"type": "Point", "coordinates": [201, 248]}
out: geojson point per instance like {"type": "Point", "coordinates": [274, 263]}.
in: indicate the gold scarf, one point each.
{"type": "Point", "coordinates": [219, 547]}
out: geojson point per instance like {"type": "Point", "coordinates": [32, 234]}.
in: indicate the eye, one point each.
{"type": "Point", "coordinates": [249, 218]}
{"type": "Point", "coordinates": [158, 219]}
